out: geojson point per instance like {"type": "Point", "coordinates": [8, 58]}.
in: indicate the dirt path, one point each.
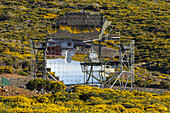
{"type": "Point", "coordinates": [16, 80]}
{"type": "Point", "coordinates": [16, 85]}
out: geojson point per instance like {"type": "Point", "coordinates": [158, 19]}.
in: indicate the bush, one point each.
{"type": "Point", "coordinates": [85, 96]}
{"type": "Point", "coordinates": [8, 62]}
{"type": "Point", "coordinates": [23, 73]}
{"type": "Point", "coordinates": [31, 85]}
{"type": "Point", "coordinates": [155, 73]}
{"type": "Point", "coordinates": [141, 83]}
{"type": "Point", "coordinates": [38, 84]}
{"type": "Point", "coordinates": [7, 69]}
{"type": "Point", "coordinates": [57, 85]}
{"type": "Point", "coordinates": [165, 84]}
{"type": "Point", "coordinates": [128, 105]}
{"type": "Point", "coordinates": [94, 100]}
{"type": "Point", "coordinates": [106, 95]}
{"type": "Point", "coordinates": [63, 96]}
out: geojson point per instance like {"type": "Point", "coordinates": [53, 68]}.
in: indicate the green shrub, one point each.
{"type": "Point", "coordinates": [141, 83]}
{"type": "Point", "coordinates": [8, 62]}
{"type": "Point", "coordinates": [165, 84]}
{"type": "Point", "coordinates": [57, 85]}
{"type": "Point", "coordinates": [38, 84]}
{"type": "Point", "coordinates": [94, 100]}
{"type": "Point", "coordinates": [31, 85]}
{"type": "Point", "coordinates": [23, 73]}
{"type": "Point", "coordinates": [128, 105]}
{"type": "Point", "coordinates": [7, 69]}
{"type": "Point", "coordinates": [85, 96]}
{"type": "Point", "coordinates": [64, 96]}
{"type": "Point", "coordinates": [155, 73]}
{"type": "Point", "coordinates": [105, 95]}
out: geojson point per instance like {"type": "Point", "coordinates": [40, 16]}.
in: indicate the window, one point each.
{"type": "Point", "coordinates": [49, 69]}
{"type": "Point", "coordinates": [69, 44]}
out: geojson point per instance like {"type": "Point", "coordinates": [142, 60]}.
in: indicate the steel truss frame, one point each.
{"type": "Point", "coordinates": [125, 69]}
{"type": "Point", "coordinates": [126, 66]}
{"type": "Point", "coordinates": [39, 51]}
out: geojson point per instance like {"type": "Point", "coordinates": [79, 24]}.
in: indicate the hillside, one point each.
{"type": "Point", "coordinates": [145, 21]}
{"type": "Point", "coordinates": [87, 99]}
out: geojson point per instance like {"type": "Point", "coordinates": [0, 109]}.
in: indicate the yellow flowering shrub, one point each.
{"type": "Point", "coordinates": [133, 110]}
{"type": "Point", "coordinates": [6, 69]}
{"type": "Point", "coordinates": [87, 99]}
{"type": "Point", "coordinates": [57, 85]}
{"type": "Point", "coordinates": [17, 99]}
{"type": "Point", "coordinates": [94, 100]}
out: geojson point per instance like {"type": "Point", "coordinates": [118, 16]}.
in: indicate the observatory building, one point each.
{"type": "Point", "coordinates": [105, 55]}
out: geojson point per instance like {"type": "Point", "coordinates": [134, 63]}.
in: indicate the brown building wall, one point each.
{"type": "Point", "coordinates": [56, 50]}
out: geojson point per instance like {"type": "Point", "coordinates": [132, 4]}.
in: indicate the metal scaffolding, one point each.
{"type": "Point", "coordinates": [126, 66]}
{"type": "Point", "coordinates": [120, 71]}
{"type": "Point", "coordinates": [39, 61]}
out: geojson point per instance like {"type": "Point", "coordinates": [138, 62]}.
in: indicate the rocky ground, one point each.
{"type": "Point", "coordinates": [14, 91]}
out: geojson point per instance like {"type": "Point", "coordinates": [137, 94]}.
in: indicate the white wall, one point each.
{"type": "Point", "coordinates": [64, 44]}
{"type": "Point", "coordinates": [69, 73]}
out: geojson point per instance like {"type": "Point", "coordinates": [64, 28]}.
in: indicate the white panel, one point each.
{"type": "Point", "coordinates": [68, 73]}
